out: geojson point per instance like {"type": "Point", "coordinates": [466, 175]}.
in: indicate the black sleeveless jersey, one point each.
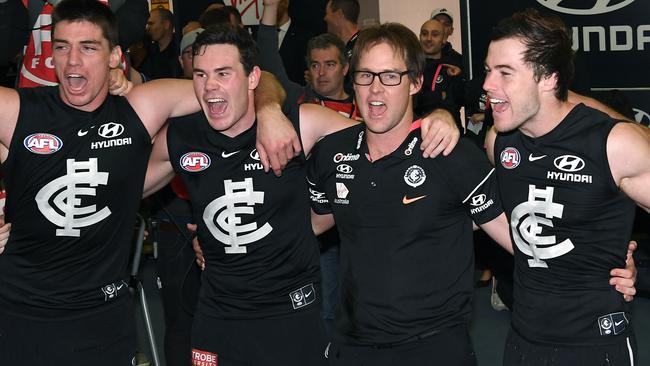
{"type": "Point", "coordinates": [570, 226]}
{"type": "Point", "coordinates": [254, 228]}
{"type": "Point", "coordinates": [405, 223]}
{"type": "Point", "coordinates": [74, 183]}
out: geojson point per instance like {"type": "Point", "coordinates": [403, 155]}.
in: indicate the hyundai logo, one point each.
{"type": "Point", "coordinates": [344, 168]}
{"type": "Point", "coordinates": [569, 163]}
{"type": "Point", "coordinates": [641, 116]}
{"type": "Point", "coordinates": [255, 155]}
{"type": "Point", "coordinates": [596, 7]}
{"type": "Point", "coordinates": [478, 200]}
{"type": "Point", "coordinates": [110, 130]}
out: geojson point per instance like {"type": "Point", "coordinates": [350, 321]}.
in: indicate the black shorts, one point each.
{"type": "Point", "coordinates": [105, 338]}
{"type": "Point", "coordinates": [520, 352]}
{"type": "Point", "coordinates": [294, 340]}
{"type": "Point", "coordinates": [450, 347]}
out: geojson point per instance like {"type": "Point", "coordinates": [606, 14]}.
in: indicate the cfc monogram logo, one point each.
{"type": "Point", "coordinates": [222, 216]}
{"type": "Point", "coordinates": [526, 226]}
{"type": "Point", "coordinates": [64, 194]}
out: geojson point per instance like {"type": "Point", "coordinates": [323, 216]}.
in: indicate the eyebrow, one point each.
{"type": "Point", "coordinates": [196, 69]}
{"type": "Point", "coordinates": [500, 67]}
{"type": "Point", "coordinates": [56, 40]}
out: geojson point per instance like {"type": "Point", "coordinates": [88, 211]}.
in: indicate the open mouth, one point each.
{"type": "Point", "coordinates": [76, 82]}
{"type": "Point", "coordinates": [217, 106]}
{"type": "Point", "coordinates": [376, 108]}
{"type": "Point", "coordinates": [499, 105]}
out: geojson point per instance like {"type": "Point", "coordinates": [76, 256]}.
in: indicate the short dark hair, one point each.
{"type": "Point", "coordinates": [400, 38]}
{"type": "Point", "coordinates": [324, 41]}
{"type": "Point", "coordinates": [350, 9]}
{"type": "Point", "coordinates": [548, 45]}
{"type": "Point", "coordinates": [228, 34]}
{"type": "Point", "coordinates": [219, 16]}
{"type": "Point", "coordinates": [90, 11]}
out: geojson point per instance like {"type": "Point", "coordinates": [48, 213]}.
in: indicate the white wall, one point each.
{"type": "Point", "coordinates": [412, 13]}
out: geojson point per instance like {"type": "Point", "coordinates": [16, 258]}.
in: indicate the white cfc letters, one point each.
{"type": "Point", "coordinates": [64, 193]}
{"type": "Point", "coordinates": [526, 227]}
{"type": "Point", "coordinates": [221, 216]}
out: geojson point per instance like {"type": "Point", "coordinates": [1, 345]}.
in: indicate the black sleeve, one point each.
{"type": "Point", "coordinates": [269, 59]}
{"type": "Point", "coordinates": [316, 182]}
{"type": "Point", "coordinates": [470, 174]}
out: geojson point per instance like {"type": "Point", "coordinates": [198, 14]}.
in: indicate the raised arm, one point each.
{"type": "Point", "coordinates": [267, 44]}
{"type": "Point", "coordinates": [277, 140]}
{"type": "Point", "coordinates": [158, 100]}
{"type": "Point", "coordinates": [159, 169]}
{"type": "Point", "coordinates": [576, 98]}
{"type": "Point", "coordinates": [317, 122]}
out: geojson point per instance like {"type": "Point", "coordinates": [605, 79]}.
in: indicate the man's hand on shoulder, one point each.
{"type": "Point", "coordinates": [118, 84]}
{"type": "Point", "coordinates": [277, 140]}
{"type": "Point", "coordinates": [439, 133]}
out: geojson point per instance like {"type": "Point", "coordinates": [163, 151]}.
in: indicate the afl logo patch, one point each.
{"type": "Point", "coordinates": [510, 158]}
{"type": "Point", "coordinates": [415, 176]}
{"type": "Point", "coordinates": [42, 143]}
{"type": "Point", "coordinates": [195, 161]}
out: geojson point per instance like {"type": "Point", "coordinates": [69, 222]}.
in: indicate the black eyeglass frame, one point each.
{"type": "Point", "coordinates": [378, 74]}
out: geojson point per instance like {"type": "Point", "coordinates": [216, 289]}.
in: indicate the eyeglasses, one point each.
{"type": "Point", "coordinates": [388, 78]}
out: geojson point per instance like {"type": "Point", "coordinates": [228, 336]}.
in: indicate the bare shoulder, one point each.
{"type": "Point", "coordinates": [628, 149]}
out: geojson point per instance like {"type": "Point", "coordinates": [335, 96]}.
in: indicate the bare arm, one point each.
{"type": "Point", "coordinates": [628, 149]}
{"type": "Point", "coordinates": [499, 230]}
{"type": "Point", "coordinates": [277, 140]}
{"type": "Point", "coordinates": [158, 100]}
{"type": "Point", "coordinates": [593, 103]}
{"type": "Point", "coordinates": [10, 106]}
{"type": "Point", "coordinates": [159, 169]}
{"type": "Point", "coordinates": [321, 223]}
{"type": "Point", "coordinates": [317, 122]}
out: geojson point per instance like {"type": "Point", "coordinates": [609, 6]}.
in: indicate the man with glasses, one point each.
{"type": "Point", "coordinates": [405, 221]}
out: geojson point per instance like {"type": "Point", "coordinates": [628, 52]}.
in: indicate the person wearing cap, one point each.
{"type": "Point", "coordinates": [185, 55]}
{"type": "Point", "coordinates": [449, 54]}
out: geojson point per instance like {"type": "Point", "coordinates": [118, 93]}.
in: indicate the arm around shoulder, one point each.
{"type": "Point", "coordinates": [628, 153]}
{"type": "Point", "coordinates": [158, 100]}
{"type": "Point", "coordinates": [317, 122]}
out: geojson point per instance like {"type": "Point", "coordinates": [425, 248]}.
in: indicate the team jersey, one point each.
{"type": "Point", "coordinates": [74, 181]}
{"type": "Point", "coordinates": [254, 228]}
{"type": "Point", "coordinates": [570, 226]}
{"type": "Point", "coordinates": [406, 233]}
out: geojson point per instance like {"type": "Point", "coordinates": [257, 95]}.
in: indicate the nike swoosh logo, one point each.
{"type": "Point", "coordinates": [227, 155]}
{"type": "Point", "coordinates": [82, 133]}
{"type": "Point", "coordinates": [534, 158]}
{"type": "Point", "coordinates": [407, 200]}
{"type": "Point", "coordinates": [618, 323]}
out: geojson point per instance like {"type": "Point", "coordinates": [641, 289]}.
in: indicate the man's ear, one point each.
{"type": "Point", "coordinates": [414, 88]}
{"type": "Point", "coordinates": [254, 78]}
{"type": "Point", "coordinates": [115, 58]}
